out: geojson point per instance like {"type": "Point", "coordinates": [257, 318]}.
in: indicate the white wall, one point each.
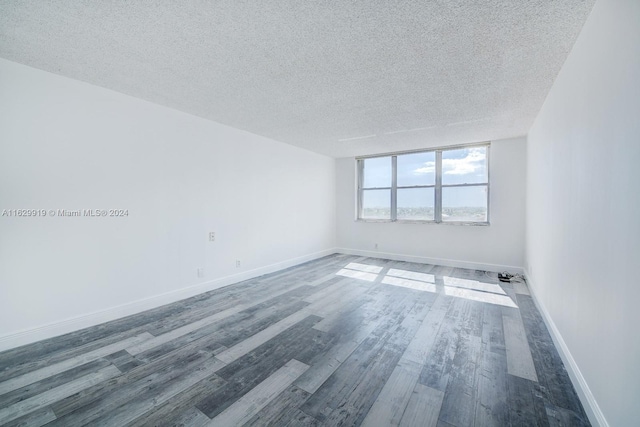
{"type": "Point", "coordinates": [497, 247]}
{"type": "Point", "coordinates": [583, 210]}
{"type": "Point", "coordinates": [69, 145]}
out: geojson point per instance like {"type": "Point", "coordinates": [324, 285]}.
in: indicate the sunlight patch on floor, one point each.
{"type": "Point", "coordinates": [364, 267]}
{"type": "Point", "coordinates": [408, 283]}
{"type": "Point", "coordinates": [472, 295]}
{"type": "Point", "coordinates": [414, 275]}
{"type": "Point", "coordinates": [456, 287]}
{"type": "Point", "coordinates": [473, 285]}
{"type": "Point", "coordinates": [361, 275]}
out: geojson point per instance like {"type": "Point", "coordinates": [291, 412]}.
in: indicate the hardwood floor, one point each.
{"type": "Point", "coordinates": [343, 340]}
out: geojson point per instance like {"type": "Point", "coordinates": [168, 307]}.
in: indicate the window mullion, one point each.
{"type": "Point", "coordinates": [394, 187]}
{"type": "Point", "coordinates": [488, 158]}
{"type": "Point", "coordinates": [360, 185]}
{"type": "Point", "coordinates": [438, 192]}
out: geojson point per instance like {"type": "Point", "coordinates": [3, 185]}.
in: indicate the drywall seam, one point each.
{"type": "Point", "coordinates": [435, 261]}
{"type": "Point", "coordinates": [62, 327]}
{"type": "Point", "coordinates": [588, 400]}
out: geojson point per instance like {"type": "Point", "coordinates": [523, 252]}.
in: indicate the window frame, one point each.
{"type": "Point", "coordinates": [437, 186]}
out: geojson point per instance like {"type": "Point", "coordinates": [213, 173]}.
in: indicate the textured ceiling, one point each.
{"type": "Point", "coordinates": [337, 77]}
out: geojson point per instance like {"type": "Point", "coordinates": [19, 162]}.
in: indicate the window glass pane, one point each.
{"type": "Point", "coordinates": [417, 169]}
{"type": "Point", "coordinates": [377, 172]}
{"type": "Point", "coordinates": [376, 204]}
{"type": "Point", "coordinates": [464, 166]}
{"type": "Point", "coordinates": [464, 204]}
{"type": "Point", "coordinates": [415, 204]}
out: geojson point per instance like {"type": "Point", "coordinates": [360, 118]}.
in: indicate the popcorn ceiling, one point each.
{"type": "Point", "coordinates": [341, 78]}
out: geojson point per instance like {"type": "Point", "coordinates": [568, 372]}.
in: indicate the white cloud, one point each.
{"type": "Point", "coordinates": [429, 167]}
{"type": "Point", "coordinates": [475, 160]}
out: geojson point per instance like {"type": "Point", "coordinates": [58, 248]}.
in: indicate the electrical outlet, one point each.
{"type": "Point", "coordinates": [237, 263]}
{"type": "Point", "coordinates": [212, 236]}
{"type": "Point", "coordinates": [200, 272]}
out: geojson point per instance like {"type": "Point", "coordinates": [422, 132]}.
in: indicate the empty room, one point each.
{"type": "Point", "coordinates": [278, 213]}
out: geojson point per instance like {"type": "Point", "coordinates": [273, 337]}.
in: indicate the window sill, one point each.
{"type": "Point", "coordinates": [404, 221]}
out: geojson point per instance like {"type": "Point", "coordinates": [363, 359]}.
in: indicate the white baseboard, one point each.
{"type": "Point", "coordinates": [62, 327]}
{"type": "Point", "coordinates": [596, 417]}
{"type": "Point", "coordinates": [436, 261]}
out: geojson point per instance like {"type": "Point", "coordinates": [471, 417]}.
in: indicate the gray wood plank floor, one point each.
{"type": "Point", "coordinates": [342, 340]}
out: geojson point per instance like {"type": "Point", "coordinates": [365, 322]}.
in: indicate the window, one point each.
{"type": "Point", "coordinates": [448, 185]}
